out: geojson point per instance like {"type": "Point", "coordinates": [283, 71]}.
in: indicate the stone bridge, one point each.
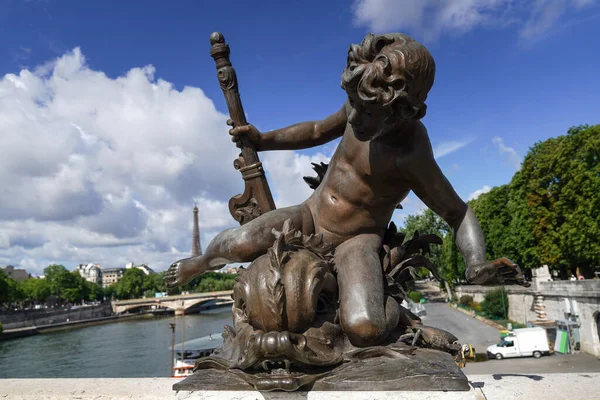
{"type": "Point", "coordinates": [177, 303]}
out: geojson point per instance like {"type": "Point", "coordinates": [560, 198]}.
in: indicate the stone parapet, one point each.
{"type": "Point", "coordinates": [483, 387]}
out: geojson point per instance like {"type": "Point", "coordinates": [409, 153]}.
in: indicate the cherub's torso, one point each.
{"type": "Point", "coordinates": [363, 184]}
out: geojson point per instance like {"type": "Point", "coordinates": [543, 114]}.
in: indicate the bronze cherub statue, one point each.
{"type": "Point", "coordinates": [328, 276]}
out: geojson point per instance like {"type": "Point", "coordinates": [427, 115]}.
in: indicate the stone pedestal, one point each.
{"type": "Point", "coordinates": [427, 370]}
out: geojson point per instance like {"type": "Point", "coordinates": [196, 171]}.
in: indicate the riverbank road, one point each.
{"type": "Point", "coordinates": [466, 328]}
{"type": "Point", "coordinates": [469, 330]}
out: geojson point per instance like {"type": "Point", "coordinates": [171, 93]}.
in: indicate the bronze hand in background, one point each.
{"type": "Point", "coordinates": [497, 272]}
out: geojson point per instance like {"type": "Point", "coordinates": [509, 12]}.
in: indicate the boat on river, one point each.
{"type": "Point", "coordinates": [184, 361]}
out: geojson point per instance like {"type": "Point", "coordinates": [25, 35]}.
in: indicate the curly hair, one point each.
{"type": "Point", "coordinates": [392, 70]}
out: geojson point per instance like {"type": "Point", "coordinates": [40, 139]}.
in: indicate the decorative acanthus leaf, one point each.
{"type": "Point", "coordinates": [433, 239]}
{"type": "Point", "coordinates": [413, 272]}
{"type": "Point", "coordinates": [317, 245]}
{"type": "Point", "coordinates": [392, 237]}
{"type": "Point", "coordinates": [273, 296]}
{"type": "Point", "coordinates": [415, 261]}
{"type": "Point", "coordinates": [320, 169]}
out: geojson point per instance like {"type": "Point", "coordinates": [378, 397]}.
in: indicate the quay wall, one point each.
{"type": "Point", "coordinates": [550, 301]}
{"type": "Point", "coordinates": [30, 318]}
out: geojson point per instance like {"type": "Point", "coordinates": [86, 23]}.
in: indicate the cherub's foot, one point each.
{"type": "Point", "coordinates": [412, 337]}
{"type": "Point", "coordinates": [181, 272]}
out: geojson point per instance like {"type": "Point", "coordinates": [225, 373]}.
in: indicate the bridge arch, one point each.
{"type": "Point", "coordinates": [176, 303]}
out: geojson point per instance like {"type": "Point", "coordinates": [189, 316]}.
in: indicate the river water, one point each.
{"type": "Point", "coordinates": [134, 348]}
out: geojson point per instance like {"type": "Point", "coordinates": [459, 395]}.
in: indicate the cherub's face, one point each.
{"type": "Point", "coordinates": [368, 121]}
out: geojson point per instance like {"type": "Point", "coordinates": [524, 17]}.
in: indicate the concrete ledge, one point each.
{"type": "Point", "coordinates": [484, 387]}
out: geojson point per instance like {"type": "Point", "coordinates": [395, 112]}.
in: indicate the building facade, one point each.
{"type": "Point", "coordinates": [15, 274]}
{"type": "Point", "coordinates": [91, 273]}
{"type": "Point", "coordinates": [110, 276]}
{"type": "Point", "coordinates": [143, 267]}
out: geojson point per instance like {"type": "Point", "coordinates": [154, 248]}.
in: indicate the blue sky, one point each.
{"type": "Point", "coordinates": [509, 74]}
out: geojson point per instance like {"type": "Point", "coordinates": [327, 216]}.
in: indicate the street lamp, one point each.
{"type": "Point", "coordinates": [172, 326]}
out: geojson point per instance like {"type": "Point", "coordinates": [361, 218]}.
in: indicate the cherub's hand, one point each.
{"type": "Point", "coordinates": [498, 272]}
{"type": "Point", "coordinates": [179, 273]}
{"type": "Point", "coordinates": [248, 131]}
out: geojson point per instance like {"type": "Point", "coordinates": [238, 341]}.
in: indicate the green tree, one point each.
{"type": "Point", "coordinates": [427, 223]}
{"type": "Point", "coordinates": [494, 217]}
{"type": "Point", "coordinates": [110, 291]}
{"type": "Point", "coordinates": [60, 279]}
{"type": "Point", "coordinates": [95, 291]}
{"type": "Point", "coordinates": [495, 303]}
{"type": "Point", "coordinates": [5, 288]}
{"type": "Point", "coordinates": [154, 283]}
{"type": "Point", "coordinates": [214, 281]}
{"type": "Point", "coordinates": [10, 290]}
{"type": "Point", "coordinates": [36, 290]}
{"type": "Point", "coordinates": [452, 261]}
{"type": "Point", "coordinates": [77, 288]}
{"type": "Point", "coordinates": [131, 285]}
{"type": "Point", "coordinates": [557, 198]}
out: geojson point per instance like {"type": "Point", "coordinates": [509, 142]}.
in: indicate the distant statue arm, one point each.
{"type": "Point", "coordinates": [432, 187]}
{"type": "Point", "coordinates": [305, 134]}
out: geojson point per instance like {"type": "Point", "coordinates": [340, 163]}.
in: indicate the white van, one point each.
{"type": "Point", "coordinates": [524, 342]}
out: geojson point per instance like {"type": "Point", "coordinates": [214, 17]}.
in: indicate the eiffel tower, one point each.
{"type": "Point", "coordinates": [196, 249]}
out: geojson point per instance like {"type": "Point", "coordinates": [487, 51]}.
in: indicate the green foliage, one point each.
{"type": "Point", "coordinates": [36, 290]}
{"type": "Point", "coordinates": [96, 293]}
{"type": "Point", "coordinates": [450, 265]}
{"type": "Point", "coordinates": [453, 264]}
{"type": "Point", "coordinates": [466, 300]}
{"type": "Point", "coordinates": [495, 304]}
{"type": "Point", "coordinates": [1, 328]}
{"type": "Point", "coordinates": [58, 277]}
{"type": "Point", "coordinates": [548, 214]}
{"type": "Point", "coordinates": [154, 283]}
{"type": "Point", "coordinates": [110, 291]}
{"type": "Point", "coordinates": [67, 286]}
{"type": "Point", "coordinates": [10, 290]}
{"type": "Point", "coordinates": [214, 282]}
{"type": "Point", "coordinates": [131, 285]}
{"type": "Point", "coordinates": [495, 218]}
{"type": "Point", "coordinates": [415, 296]}
{"type": "Point", "coordinates": [561, 181]}
{"type": "Point", "coordinates": [476, 306]}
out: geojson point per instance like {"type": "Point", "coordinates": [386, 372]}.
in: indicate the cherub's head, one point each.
{"type": "Point", "coordinates": [387, 78]}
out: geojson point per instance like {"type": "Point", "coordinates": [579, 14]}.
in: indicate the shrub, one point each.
{"type": "Point", "coordinates": [466, 300]}
{"type": "Point", "coordinates": [495, 304]}
{"type": "Point", "coordinates": [415, 296]}
{"type": "Point", "coordinates": [475, 306]}
{"type": "Point", "coordinates": [1, 328]}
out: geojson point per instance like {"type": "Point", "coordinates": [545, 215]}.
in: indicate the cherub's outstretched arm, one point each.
{"type": "Point", "coordinates": [298, 136]}
{"type": "Point", "coordinates": [431, 186]}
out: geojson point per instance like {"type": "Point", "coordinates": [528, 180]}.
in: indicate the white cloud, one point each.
{"type": "Point", "coordinates": [95, 169]}
{"type": "Point", "coordinates": [479, 192]}
{"type": "Point", "coordinates": [285, 172]}
{"type": "Point", "coordinates": [103, 170]}
{"type": "Point", "coordinates": [427, 18]}
{"type": "Point", "coordinates": [513, 158]}
{"type": "Point", "coordinates": [545, 13]}
{"type": "Point", "coordinates": [442, 149]}
{"type": "Point", "coordinates": [430, 18]}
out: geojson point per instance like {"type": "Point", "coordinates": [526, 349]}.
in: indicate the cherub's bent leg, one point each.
{"type": "Point", "coordinates": [242, 244]}
{"type": "Point", "coordinates": [365, 315]}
